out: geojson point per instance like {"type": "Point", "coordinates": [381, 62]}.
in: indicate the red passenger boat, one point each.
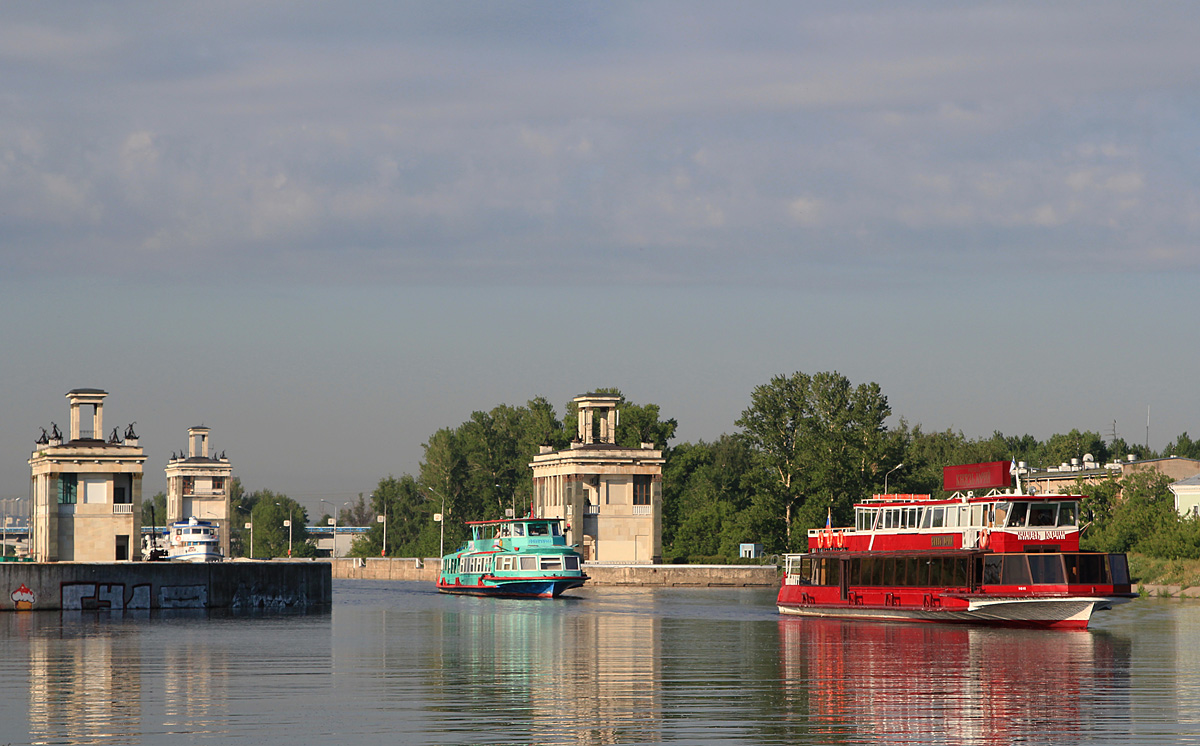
{"type": "Point", "coordinates": [1005, 558]}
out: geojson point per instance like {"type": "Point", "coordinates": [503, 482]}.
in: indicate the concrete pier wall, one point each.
{"type": "Point", "coordinates": [696, 576]}
{"type": "Point", "coordinates": [165, 585]}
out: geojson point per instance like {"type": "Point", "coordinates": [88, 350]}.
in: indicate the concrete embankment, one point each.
{"type": "Point", "coordinates": [693, 576]}
{"type": "Point", "coordinates": [165, 585]}
{"type": "Point", "coordinates": [1169, 591]}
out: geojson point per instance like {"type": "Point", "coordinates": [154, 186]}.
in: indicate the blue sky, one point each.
{"type": "Point", "coordinates": [326, 231]}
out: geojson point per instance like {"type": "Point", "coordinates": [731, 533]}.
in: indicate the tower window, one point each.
{"type": "Point", "coordinates": [641, 489]}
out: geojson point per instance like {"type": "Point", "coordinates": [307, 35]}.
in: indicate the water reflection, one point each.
{"type": "Point", "coordinates": [936, 684]}
{"type": "Point", "coordinates": [564, 677]}
{"type": "Point", "coordinates": [84, 692]}
{"type": "Point", "coordinates": [117, 677]}
{"type": "Point", "coordinates": [397, 663]}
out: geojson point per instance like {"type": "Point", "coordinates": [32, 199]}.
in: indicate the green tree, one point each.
{"type": "Point", "coordinates": [824, 442]}
{"type": "Point", "coordinates": [1062, 448]}
{"type": "Point", "coordinates": [357, 513]}
{"type": "Point", "coordinates": [1184, 447]}
{"type": "Point", "coordinates": [1127, 514]}
{"type": "Point", "coordinates": [154, 511]}
{"type": "Point", "coordinates": [411, 531]}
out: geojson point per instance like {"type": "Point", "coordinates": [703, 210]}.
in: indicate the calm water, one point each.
{"type": "Point", "coordinates": [396, 663]}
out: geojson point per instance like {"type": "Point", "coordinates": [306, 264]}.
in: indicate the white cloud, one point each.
{"type": "Point", "coordinates": [806, 211]}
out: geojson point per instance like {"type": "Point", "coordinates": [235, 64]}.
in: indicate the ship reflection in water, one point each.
{"type": "Point", "coordinates": [932, 683]}
{"type": "Point", "coordinates": [400, 663]}
{"type": "Point", "coordinates": [559, 678]}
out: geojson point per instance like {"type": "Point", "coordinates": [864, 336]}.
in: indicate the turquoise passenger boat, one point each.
{"type": "Point", "coordinates": [514, 557]}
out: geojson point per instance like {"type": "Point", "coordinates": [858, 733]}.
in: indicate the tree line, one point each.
{"type": "Point", "coordinates": [806, 448]}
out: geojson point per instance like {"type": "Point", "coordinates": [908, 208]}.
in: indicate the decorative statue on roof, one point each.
{"type": "Point", "coordinates": [55, 433]}
{"type": "Point", "coordinates": [129, 433]}
{"type": "Point", "coordinates": [113, 439]}
{"type": "Point", "coordinates": [44, 440]}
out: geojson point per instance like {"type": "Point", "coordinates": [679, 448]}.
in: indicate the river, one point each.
{"type": "Point", "coordinates": [397, 663]}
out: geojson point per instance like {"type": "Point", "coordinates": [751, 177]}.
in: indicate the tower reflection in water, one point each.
{"type": "Point", "coordinates": [84, 682]}
{"type": "Point", "coordinates": [563, 678]}
{"type": "Point", "coordinates": [936, 683]}
{"type": "Point", "coordinates": [88, 677]}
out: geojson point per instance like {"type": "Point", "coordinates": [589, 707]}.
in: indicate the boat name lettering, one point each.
{"type": "Point", "coordinates": [1041, 535]}
{"type": "Point", "coordinates": [941, 541]}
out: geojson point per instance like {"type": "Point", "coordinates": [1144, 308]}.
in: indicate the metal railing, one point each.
{"type": "Point", "coordinates": [122, 508]}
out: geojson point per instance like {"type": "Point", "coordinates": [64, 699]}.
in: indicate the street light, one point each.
{"type": "Point", "coordinates": [288, 523]}
{"type": "Point", "coordinates": [332, 522]}
{"type": "Point", "coordinates": [4, 546]}
{"type": "Point", "coordinates": [885, 476]}
{"type": "Point", "coordinates": [250, 526]}
{"type": "Point", "coordinates": [440, 518]}
{"type": "Point", "coordinates": [383, 519]}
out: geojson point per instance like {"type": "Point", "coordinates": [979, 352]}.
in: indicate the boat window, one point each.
{"type": "Point", "coordinates": [518, 529]}
{"type": "Point", "coordinates": [1015, 570]}
{"type": "Point", "coordinates": [1001, 513]}
{"type": "Point", "coordinates": [939, 517]}
{"type": "Point", "coordinates": [926, 517]}
{"type": "Point", "coordinates": [869, 571]}
{"type": "Point", "coordinates": [951, 517]}
{"type": "Point", "coordinates": [1017, 518]}
{"type": "Point", "coordinates": [552, 563]}
{"type": "Point", "coordinates": [1068, 514]}
{"type": "Point", "coordinates": [1119, 567]}
{"type": "Point", "coordinates": [1046, 568]}
{"type": "Point", "coordinates": [976, 515]}
{"type": "Point", "coordinates": [888, 518]}
{"type": "Point", "coordinates": [528, 563]}
{"type": "Point", "coordinates": [555, 530]}
{"type": "Point", "coordinates": [991, 569]}
{"type": "Point", "coordinates": [538, 529]}
{"type": "Point", "coordinates": [914, 518]}
{"type": "Point", "coordinates": [1042, 514]}
{"type": "Point", "coordinates": [570, 562]}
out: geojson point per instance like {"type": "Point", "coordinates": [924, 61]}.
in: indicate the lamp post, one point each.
{"type": "Point", "coordinates": [250, 526]}
{"type": "Point", "coordinates": [441, 519]}
{"type": "Point", "coordinates": [885, 476]}
{"type": "Point", "coordinates": [383, 519]}
{"type": "Point", "coordinates": [4, 546]}
{"type": "Point", "coordinates": [288, 523]}
{"type": "Point", "coordinates": [333, 537]}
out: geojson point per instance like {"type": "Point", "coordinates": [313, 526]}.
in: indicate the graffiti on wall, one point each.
{"type": "Point", "coordinates": [97, 596]}
{"type": "Point", "coordinates": [23, 599]}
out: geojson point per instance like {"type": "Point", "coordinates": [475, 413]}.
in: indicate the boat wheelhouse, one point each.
{"type": "Point", "coordinates": [513, 557]}
{"type": "Point", "coordinates": [193, 540]}
{"type": "Point", "coordinates": [1004, 558]}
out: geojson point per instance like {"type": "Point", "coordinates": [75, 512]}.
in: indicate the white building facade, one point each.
{"type": "Point", "coordinates": [610, 497]}
{"type": "Point", "coordinates": [86, 491]}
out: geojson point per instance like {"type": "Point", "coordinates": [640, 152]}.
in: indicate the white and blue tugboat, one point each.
{"type": "Point", "coordinates": [193, 540]}
{"type": "Point", "coordinates": [515, 558]}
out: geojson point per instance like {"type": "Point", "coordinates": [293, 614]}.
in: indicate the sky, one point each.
{"type": "Point", "coordinates": [326, 231]}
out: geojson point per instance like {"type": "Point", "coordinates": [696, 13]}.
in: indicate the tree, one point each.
{"type": "Point", "coordinates": [154, 511]}
{"type": "Point", "coordinates": [824, 442]}
{"type": "Point", "coordinates": [358, 514]}
{"type": "Point", "coordinates": [267, 511]}
{"type": "Point", "coordinates": [411, 531]}
{"type": "Point", "coordinates": [1127, 514]}
{"type": "Point", "coordinates": [1184, 447]}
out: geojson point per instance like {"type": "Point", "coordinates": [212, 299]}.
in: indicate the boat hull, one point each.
{"type": "Point", "coordinates": [522, 588]}
{"type": "Point", "coordinates": [196, 557]}
{"type": "Point", "coordinates": [1038, 613]}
